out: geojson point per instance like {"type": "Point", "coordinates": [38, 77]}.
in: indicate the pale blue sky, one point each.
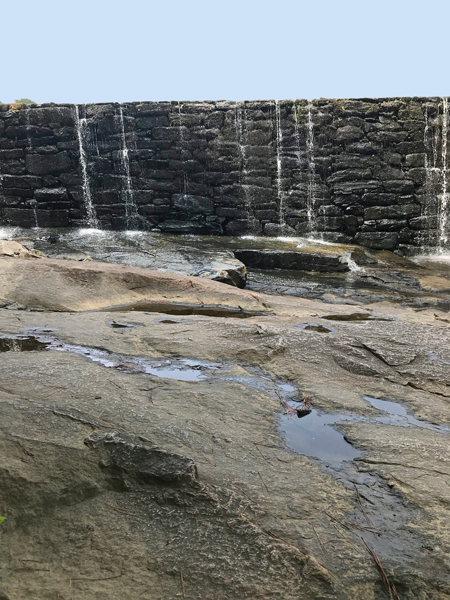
{"type": "Point", "coordinates": [95, 51]}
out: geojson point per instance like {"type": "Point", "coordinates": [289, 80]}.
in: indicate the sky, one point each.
{"type": "Point", "coordinates": [99, 51]}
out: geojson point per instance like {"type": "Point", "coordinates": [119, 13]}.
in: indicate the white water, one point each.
{"type": "Point", "coordinates": [131, 212]}
{"type": "Point", "coordinates": [311, 200]}
{"type": "Point", "coordinates": [90, 231]}
{"type": "Point", "coordinates": [442, 233]}
{"type": "Point", "coordinates": [81, 126]}
{"type": "Point", "coordinates": [239, 128]}
{"type": "Point", "coordinates": [353, 267]}
{"type": "Point", "coordinates": [279, 165]}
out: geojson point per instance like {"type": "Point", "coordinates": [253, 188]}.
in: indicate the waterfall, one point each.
{"type": "Point", "coordinates": [311, 200]}
{"type": "Point", "coordinates": [131, 212]}
{"type": "Point", "coordinates": [81, 127]}
{"type": "Point", "coordinates": [185, 176]}
{"type": "Point", "coordinates": [442, 217]}
{"type": "Point", "coordinates": [279, 165]}
{"type": "Point", "coordinates": [297, 137]}
{"type": "Point", "coordinates": [432, 178]}
{"type": "Point", "coordinates": [239, 128]}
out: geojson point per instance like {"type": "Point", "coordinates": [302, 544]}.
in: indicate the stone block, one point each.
{"type": "Point", "coordinates": [22, 217]}
{"type": "Point", "coordinates": [399, 186]}
{"type": "Point", "coordinates": [350, 187]}
{"type": "Point", "coordinates": [147, 123]}
{"type": "Point", "coordinates": [349, 133]}
{"type": "Point", "coordinates": [193, 205]}
{"type": "Point", "coordinates": [12, 167]}
{"type": "Point", "coordinates": [291, 260]}
{"type": "Point", "coordinates": [378, 240]}
{"type": "Point", "coordinates": [391, 212]}
{"type": "Point", "coordinates": [11, 154]}
{"type": "Point", "coordinates": [38, 164]}
{"type": "Point", "coordinates": [50, 194]}
{"type": "Point", "coordinates": [415, 160]}
{"type": "Point", "coordinates": [23, 181]}
{"type": "Point", "coordinates": [52, 218]}
{"type": "Point", "coordinates": [418, 175]}
{"type": "Point", "coordinates": [349, 175]}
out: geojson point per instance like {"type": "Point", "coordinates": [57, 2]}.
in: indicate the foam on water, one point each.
{"type": "Point", "coordinates": [91, 231]}
{"type": "Point", "coordinates": [8, 233]}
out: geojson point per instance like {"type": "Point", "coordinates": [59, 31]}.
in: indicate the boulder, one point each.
{"type": "Point", "coordinates": [226, 270]}
{"type": "Point", "coordinates": [293, 260]}
{"type": "Point", "coordinates": [16, 250]}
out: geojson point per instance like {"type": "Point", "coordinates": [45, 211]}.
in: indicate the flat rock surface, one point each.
{"type": "Point", "coordinates": [160, 456]}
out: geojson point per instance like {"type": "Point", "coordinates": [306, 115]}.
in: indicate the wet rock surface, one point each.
{"type": "Point", "coordinates": [162, 456]}
{"type": "Point", "coordinates": [305, 268]}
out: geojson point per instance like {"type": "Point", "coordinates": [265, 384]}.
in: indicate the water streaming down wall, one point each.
{"type": "Point", "coordinates": [442, 228]}
{"type": "Point", "coordinates": [279, 150]}
{"type": "Point", "coordinates": [311, 199]}
{"type": "Point", "coordinates": [131, 212]}
{"type": "Point", "coordinates": [239, 128]}
{"type": "Point", "coordinates": [81, 126]}
{"type": "Point", "coordinates": [435, 207]}
{"type": "Point", "coordinates": [373, 172]}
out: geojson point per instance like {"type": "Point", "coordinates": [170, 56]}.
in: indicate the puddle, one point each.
{"type": "Point", "coordinates": [173, 321]}
{"type": "Point", "coordinates": [180, 308]}
{"type": "Point", "coordinates": [355, 317]}
{"type": "Point", "coordinates": [21, 344]}
{"type": "Point", "coordinates": [399, 415]}
{"type": "Point", "coordinates": [313, 435]}
{"type": "Point", "coordinates": [315, 327]}
{"type": "Point", "coordinates": [181, 369]}
{"type": "Point", "coordinates": [122, 326]}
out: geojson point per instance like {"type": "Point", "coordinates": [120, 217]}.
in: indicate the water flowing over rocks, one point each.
{"type": "Point", "coordinates": [367, 171]}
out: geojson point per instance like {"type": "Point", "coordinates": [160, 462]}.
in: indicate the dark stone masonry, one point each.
{"type": "Point", "coordinates": [368, 171]}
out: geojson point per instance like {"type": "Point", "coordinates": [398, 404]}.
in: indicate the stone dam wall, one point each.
{"type": "Point", "coordinates": [367, 171]}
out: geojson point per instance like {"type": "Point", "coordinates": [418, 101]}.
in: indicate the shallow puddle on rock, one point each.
{"type": "Point", "coordinates": [21, 344]}
{"type": "Point", "coordinates": [355, 317]}
{"type": "Point", "coordinates": [173, 321]}
{"type": "Point", "coordinates": [181, 369]}
{"type": "Point", "coordinates": [122, 326]}
{"type": "Point", "coordinates": [314, 436]}
{"type": "Point", "coordinates": [179, 308]}
{"type": "Point", "coordinates": [315, 327]}
{"type": "Point", "coordinates": [399, 415]}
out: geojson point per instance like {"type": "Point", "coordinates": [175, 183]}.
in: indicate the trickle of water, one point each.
{"type": "Point", "coordinates": [297, 136]}
{"type": "Point", "coordinates": [30, 142]}
{"type": "Point", "coordinates": [35, 215]}
{"type": "Point", "coordinates": [311, 200]}
{"type": "Point", "coordinates": [352, 266]}
{"type": "Point", "coordinates": [185, 176]}
{"type": "Point", "coordinates": [239, 127]}
{"type": "Point", "coordinates": [91, 215]}
{"type": "Point", "coordinates": [431, 173]}
{"type": "Point", "coordinates": [442, 234]}
{"type": "Point", "coordinates": [279, 164]}
{"type": "Point", "coordinates": [131, 212]}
